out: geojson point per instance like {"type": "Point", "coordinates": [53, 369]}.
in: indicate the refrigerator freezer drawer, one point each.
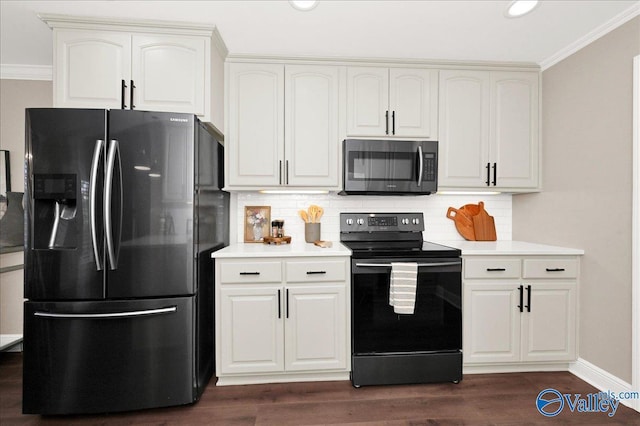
{"type": "Point", "coordinates": [108, 356]}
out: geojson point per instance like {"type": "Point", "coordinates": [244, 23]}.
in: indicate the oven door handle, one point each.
{"type": "Point", "coordinates": [420, 265]}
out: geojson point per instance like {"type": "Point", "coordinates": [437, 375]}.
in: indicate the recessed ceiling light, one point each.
{"type": "Point", "coordinates": [303, 5]}
{"type": "Point", "coordinates": [519, 8]}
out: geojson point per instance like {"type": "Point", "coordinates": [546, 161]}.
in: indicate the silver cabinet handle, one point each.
{"type": "Point", "coordinates": [95, 163]}
{"type": "Point", "coordinates": [108, 196]}
{"type": "Point", "coordinates": [108, 314]}
{"type": "Point", "coordinates": [420, 265]}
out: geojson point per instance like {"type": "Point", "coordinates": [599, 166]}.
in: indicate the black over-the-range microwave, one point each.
{"type": "Point", "coordinates": [389, 167]}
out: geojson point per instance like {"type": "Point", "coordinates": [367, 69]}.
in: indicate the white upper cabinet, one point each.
{"type": "Point", "coordinates": [311, 125]}
{"type": "Point", "coordinates": [388, 102]}
{"type": "Point", "coordinates": [489, 130]}
{"type": "Point", "coordinates": [514, 129]}
{"type": "Point", "coordinates": [99, 63]}
{"type": "Point", "coordinates": [367, 101]}
{"type": "Point", "coordinates": [256, 124]}
{"type": "Point", "coordinates": [283, 126]}
{"type": "Point", "coordinates": [169, 73]}
{"type": "Point", "coordinates": [91, 68]}
{"type": "Point", "coordinates": [464, 128]}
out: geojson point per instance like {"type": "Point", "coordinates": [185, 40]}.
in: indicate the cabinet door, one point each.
{"type": "Point", "coordinates": [464, 128]}
{"type": "Point", "coordinates": [514, 129]}
{"type": "Point", "coordinates": [413, 102]}
{"type": "Point", "coordinates": [367, 101]}
{"type": "Point", "coordinates": [315, 328]}
{"type": "Point", "coordinates": [491, 322]}
{"type": "Point", "coordinates": [256, 124]}
{"type": "Point", "coordinates": [89, 69]}
{"type": "Point", "coordinates": [549, 329]}
{"type": "Point", "coordinates": [169, 73]}
{"type": "Point", "coordinates": [252, 339]}
{"type": "Point", "coordinates": [311, 120]}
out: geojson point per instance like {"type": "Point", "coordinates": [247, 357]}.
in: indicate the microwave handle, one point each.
{"type": "Point", "coordinates": [420, 165]}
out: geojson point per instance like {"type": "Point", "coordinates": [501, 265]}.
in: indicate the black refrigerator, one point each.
{"type": "Point", "coordinates": [122, 213]}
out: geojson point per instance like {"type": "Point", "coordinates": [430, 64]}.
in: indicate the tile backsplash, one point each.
{"type": "Point", "coordinates": [434, 207]}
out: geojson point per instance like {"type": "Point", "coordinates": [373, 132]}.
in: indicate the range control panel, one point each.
{"type": "Point", "coordinates": [381, 222]}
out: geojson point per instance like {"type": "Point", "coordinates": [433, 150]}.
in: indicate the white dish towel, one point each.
{"type": "Point", "coordinates": [402, 287]}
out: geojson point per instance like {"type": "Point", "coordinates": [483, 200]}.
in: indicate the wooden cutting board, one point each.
{"type": "Point", "coordinates": [483, 225]}
{"type": "Point", "coordinates": [463, 221]}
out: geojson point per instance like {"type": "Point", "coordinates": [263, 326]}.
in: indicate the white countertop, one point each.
{"type": "Point", "coordinates": [522, 248]}
{"type": "Point", "coordinates": [296, 249]}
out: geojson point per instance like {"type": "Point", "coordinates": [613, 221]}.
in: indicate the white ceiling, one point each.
{"type": "Point", "coordinates": [437, 30]}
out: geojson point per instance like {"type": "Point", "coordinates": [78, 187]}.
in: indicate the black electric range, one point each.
{"type": "Point", "coordinates": [391, 348]}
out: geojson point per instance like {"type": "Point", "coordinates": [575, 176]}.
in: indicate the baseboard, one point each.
{"type": "Point", "coordinates": [603, 380]}
{"type": "Point", "coordinates": [514, 367]}
{"type": "Point", "coordinates": [281, 378]}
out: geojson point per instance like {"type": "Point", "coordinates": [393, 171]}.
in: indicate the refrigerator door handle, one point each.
{"type": "Point", "coordinates": [114, 150]}
{"type": "Point", "coordinates": [95, 163]}
{"type": "Point", "coordinates": [129, 314]}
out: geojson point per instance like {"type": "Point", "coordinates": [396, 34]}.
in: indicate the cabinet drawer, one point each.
{"type": "Point", "coordinates": [550, 268]}
{"type": "Point", "coordinates": [314, 271]}
{"type": "Point", "coordinates": [250, 272]}
{"type": "Point", "coordinates": [492, 268]}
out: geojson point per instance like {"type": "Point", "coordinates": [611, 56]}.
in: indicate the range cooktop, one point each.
{"type": "Point", "coordinates": [389, 235]}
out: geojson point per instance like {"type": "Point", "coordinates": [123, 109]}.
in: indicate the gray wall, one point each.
{"type": "Point", "coordinates": [587, 188]}
{"type": "Point", "coordinates": [15, 96]}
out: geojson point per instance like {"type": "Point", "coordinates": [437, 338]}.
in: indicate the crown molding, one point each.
{"type": "Point", "coordinates": [386, 62]}
{"type": "Point", "coordinates": [602, 30]}
{"type": "Point", "coordinates": [123, 24]}
{"type": "Point", "coordinates": [26, 72]}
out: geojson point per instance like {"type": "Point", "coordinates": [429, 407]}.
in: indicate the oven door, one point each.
{"type": "Point", "coordinates": [390, 167]}
{"type": "Point", "coordinates": [435, 325]}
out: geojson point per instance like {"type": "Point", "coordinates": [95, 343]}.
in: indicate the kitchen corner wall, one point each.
{"type": "Point", "coordinates": [587, 187]}
{"type": "Point", "coordinates": [434, 207]}
{"type": "Point", "coordinates": [15, 96]}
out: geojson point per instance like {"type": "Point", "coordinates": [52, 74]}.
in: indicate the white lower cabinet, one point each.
{"type": "Point", "coordinates": [252, 337]}
{"type": "Point", "coordinates": [275, 319]}
{"type": "Point", "coordinates": [491, 322]}
{"type": "Point", "coordinates": [549, 327]}
{"type": "Point", "coordinates": [519, 311]}
{"type": "Point", "coordinates": [315, 327]}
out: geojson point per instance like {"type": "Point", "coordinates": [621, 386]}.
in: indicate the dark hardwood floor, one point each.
{"type": "Point", "coordinates": [487, 399]}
